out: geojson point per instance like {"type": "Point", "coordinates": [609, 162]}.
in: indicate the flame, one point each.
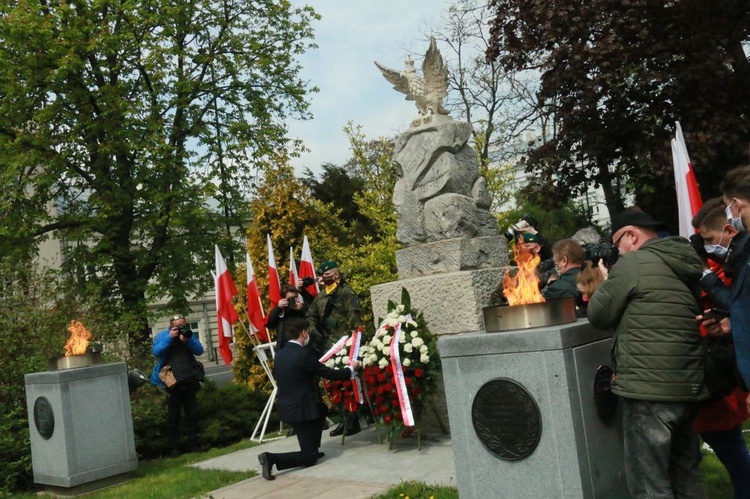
{"type": "Point", "coordinates": [79, 339]}
{"type": "Point", "coordinates": [523, 288]}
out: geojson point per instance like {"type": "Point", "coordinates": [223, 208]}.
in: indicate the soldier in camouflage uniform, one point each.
{"type": "Point", "coordinates": [335, 312]}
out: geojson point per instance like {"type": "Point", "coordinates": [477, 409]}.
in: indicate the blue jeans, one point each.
{"type": "Point", "coordinates": [731, 450]}
{"type": "Point", "coordinates": [662, 454]}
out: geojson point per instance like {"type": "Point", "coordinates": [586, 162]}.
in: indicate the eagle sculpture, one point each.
{"type": "Point", "coordinates": [428, 92]}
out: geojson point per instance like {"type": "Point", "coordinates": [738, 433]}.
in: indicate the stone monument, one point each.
{"type": "Point", "coordinates": [452, 250]}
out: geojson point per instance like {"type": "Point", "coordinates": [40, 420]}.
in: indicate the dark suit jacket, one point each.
{"type": "Point", "coordinates": [297, 370]}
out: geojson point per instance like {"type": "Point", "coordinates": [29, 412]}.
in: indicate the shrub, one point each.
{"type": "Point", "coordinates": [226, 415]}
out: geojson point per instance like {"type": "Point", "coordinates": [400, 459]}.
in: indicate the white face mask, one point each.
{"type": "Point", "coordinates": [306, 340]}
{"type": "Point", "coordinates": [717, 250]}
{"type": "Point", "coordinates": [736, 223]}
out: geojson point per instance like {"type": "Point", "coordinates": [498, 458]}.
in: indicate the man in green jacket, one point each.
{"type": "Point", "coordinates": [650, 301]}
{"type": "Point", "coordinates": [335, 312]}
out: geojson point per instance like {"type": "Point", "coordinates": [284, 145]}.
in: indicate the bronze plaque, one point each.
{"type": "Point", "coordinates": [604, 399]}
{"type": "Point", "coordinates": [506, 419]}
{"type": "Point", "coordinates": [44, 418]}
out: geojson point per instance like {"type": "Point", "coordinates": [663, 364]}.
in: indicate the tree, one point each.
{"type": "Point", "coordinates": [122, 122]}
{"type": "Point", "coordinates": [617, 75]}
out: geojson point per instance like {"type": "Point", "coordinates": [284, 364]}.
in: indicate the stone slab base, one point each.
{"type": "Point", "coordinates": [451, 302]}
{"type": "Point", "coordinates": [452, 255]}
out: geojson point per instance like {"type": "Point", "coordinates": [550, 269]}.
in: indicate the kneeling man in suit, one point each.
{"type": "Point", "coordinates": [299, 403]}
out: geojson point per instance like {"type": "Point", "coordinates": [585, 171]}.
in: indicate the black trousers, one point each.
{"type": "Point", "coordinates": [308, 435]}
{"type": "Point", "coordinates": [182, 397]}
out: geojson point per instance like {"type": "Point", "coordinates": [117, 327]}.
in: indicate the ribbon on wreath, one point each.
{"type": "Point", "coordinates": [353, 355]}
{"type": "Point", "coordinates": [335, 348]}
{"type": "Point", "coordinates": [398, 376]}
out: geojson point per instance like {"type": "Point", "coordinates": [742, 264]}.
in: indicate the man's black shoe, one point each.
{"type": "Point", "coordinates": [355, 428]}
{"type": "Point", "coordinates": [266, 466]}
{"type": "Point", "coordinates": [338, 430]}
{"type": "Point", "coordinates": [321, 455]}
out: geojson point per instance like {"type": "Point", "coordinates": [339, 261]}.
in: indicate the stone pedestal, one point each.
{"type": "Point", "coordinates": [80, 424]}
{"type": "Point", "coordinates": [452, 255]}
{"type": "Point", "coordinates": [543, 417]}
{"type": "Point", "coordinates": [451, 302]}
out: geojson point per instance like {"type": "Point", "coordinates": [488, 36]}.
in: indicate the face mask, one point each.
{"type": "Point", "coordinates": [734, 222]}
{"type": "Point", "coordinates": [306, 340]}
{"type": "Point", "coordinates": [716, 250]}
{"type": "Point", "coordinates": [329, 280]}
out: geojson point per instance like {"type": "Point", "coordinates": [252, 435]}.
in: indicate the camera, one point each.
{"type": "Point", "coordinates": [184, 331]}
{"type": "Point", "coordinates": [307, 281]}
{"type": "Point", "coordinates": [291, 301]}
{"type": "Point", "coordinates": [601, 251]}
{"type": "Point", "coordinates": [516, 229]}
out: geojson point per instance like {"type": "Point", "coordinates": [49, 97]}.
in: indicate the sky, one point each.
{"type": "Point", "coordinates": [350, 36]}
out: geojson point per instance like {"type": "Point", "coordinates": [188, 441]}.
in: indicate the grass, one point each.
{"type": "Point", "coordinates": [172, 478]}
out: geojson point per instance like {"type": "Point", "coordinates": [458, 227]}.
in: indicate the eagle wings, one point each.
{"type": "Point", "coordinates": [429, 91]}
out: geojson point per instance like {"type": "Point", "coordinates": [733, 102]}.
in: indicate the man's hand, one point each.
{"type": "Point", "coordinates": [174, 333]}
{"type": "Point", "coordinates": [714, 328]}
{"type": "Point", "coordinates": [283, 303]}
{"type": "Point", "coordinates": [603, 268]}
{"type": "Point", "coordinates": [356, 365]}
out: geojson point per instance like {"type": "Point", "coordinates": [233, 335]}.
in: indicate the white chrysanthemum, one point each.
{"type": "Point", "coordinates": [387, 339]}
{"type": "Point", "coordinates": [373, 359]}
{"type": "Point", "coordinates": [401, 319]}
{"type": "Point", "coordinates": [330, 363]}
{"type": "Point", "coordinates": [341, 352]}
{"type": "Point", "coordinates": [408, 348]}
{"type": "Point", "coordinates": [386, 350]}
{"type": "Point", "coordinates": [402, 338]}
{"type": "Point", "coordinates": [424, 358]}
{"type": "Point", "coordinates": [407, 362]}
{"type": "Point", "coordinates": [417, 342]}
{"type": "Point", "coordinates": [412, 324]}
{"type": "Point", "coordinates": [383, 363]}
{"type": "Point", "coordinates": [400, 307]}
{"type": "Point", "coordinates": [423, 349]}
{"type": "Point", "coordinates": [376, 344]}
{"type": "Point", "coordinates": [414, 334]}
{"type": "Point", "coordinates": [392, 321]}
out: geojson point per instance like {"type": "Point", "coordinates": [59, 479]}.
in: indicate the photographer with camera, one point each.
{"type": "Point", "coordinates": [525, 232]}
{"type": "Point", "coordinates": [292, 305]}
{"type": "Point", "coordinates": [175, 349]}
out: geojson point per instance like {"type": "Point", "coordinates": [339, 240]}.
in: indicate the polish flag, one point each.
{"type": "Point", "coordinates": [293, 274]}
{"type": "Point", "coordinates": [225, 311]}
{"type": "Point", "coordinates": [274, 284]}
{"type": "Point", "coordinates": [306, 267]}
{"type": "Point", "coordinates": [688, 196]}
{"type": "Point", "coordinates": [254, 305]}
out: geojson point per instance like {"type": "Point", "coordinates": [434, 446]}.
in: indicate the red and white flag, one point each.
{"type": "Point", "coordinates": [293, 274]}
{"type": "Point", "coordinates": [225, 311]}
{"type": "Point", "coordinates": [254, 305]}
{"type": "Point", "coordinates": [688, 196]}
{"type": "Point", "coordinates": [306, 267]}
{"type": "Point", "coordinates": [274, 284]}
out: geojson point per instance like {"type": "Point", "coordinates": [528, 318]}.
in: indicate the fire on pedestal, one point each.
{"type": "Point", "coordinates": [80, 422]}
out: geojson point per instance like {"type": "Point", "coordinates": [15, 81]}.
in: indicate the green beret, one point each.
{"type": "Point", "coordinates": [327, 266]}
{"type": "Point", "coordinates": [531, 238]}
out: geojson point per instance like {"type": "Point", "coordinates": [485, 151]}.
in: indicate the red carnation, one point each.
{"type": "Point", "coordinates": [408, 381]}
{"type": "Point", "coordinates": [399, 416]}
{"type": "Point", "coordinates": [388, 387]}
{"type": "Point", "coordinates": [380, 390]}
{"type": "Point", "coordinates": [389, 369]}
{"type": "Point", "coordinates": [381, 377]}
{"type": "Point", "coordinates": [418, 372]}
{"type": "Point", "coordinates": [387, 419]}
{"type": "Point", "coordinates": [415, 391]}
{"type": "Point", "coordinates": [379, 399]}
{"type": "Point", "coordinates": [394, 402]}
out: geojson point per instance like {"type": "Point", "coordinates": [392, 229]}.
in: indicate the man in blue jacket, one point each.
{"type": "Point", "coordinates": [177, 347]}
{"type": "Point", "coordinates": [297, 370]}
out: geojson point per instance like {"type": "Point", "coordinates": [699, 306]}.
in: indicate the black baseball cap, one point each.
{"type": "Point", "coordinates": [637, 218]}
